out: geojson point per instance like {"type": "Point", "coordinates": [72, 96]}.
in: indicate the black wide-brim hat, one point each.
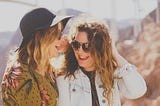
{"type": "Point", "coordinates": [37, 19]}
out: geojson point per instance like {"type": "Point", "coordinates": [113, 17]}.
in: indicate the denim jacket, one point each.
{"type": "Point", "coordinates": [77, 91]}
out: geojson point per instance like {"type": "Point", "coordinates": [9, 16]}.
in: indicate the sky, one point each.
{"type": "Point", "coordinates": [12, 12]}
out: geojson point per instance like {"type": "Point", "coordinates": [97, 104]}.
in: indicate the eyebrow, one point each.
{"type": "Point", "coordinates": [82, 42]}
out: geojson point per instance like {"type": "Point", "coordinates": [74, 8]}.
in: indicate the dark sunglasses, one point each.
{"type": "Point", "coordinates": [76, 45]}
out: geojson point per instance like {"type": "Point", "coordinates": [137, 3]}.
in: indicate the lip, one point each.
{"type": "Point", "coordinates": [58, 47]}
{"type": "Point", "coordinates": [83, 58]}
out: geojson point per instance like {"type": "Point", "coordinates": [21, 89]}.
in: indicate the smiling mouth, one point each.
{"type": "Point", "coordinates": [58, 47]}
{"type": "Point", "coordinates": [83, 58]}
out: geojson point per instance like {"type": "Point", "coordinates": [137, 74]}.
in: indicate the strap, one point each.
{"type": "Point", "coordinates": [36, 80]}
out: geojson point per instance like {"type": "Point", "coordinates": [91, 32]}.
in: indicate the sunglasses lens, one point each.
{"type": "Point", "coordinates": [85, 47]}
{"type": "Point", "coordinates": [75, 45]}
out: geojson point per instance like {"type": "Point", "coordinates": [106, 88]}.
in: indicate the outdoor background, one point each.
{"type": "Point", "coordinates": [135, 24]}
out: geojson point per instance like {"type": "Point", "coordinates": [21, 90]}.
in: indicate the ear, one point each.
{"type": "Point", "coordinates": [60, 26]}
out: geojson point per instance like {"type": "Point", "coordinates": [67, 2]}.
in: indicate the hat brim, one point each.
{"type": "Point", "coordinates": [60, 18]}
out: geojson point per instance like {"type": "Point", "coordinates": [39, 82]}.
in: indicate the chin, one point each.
{"type": "Point", "coordinates": [82, 65]}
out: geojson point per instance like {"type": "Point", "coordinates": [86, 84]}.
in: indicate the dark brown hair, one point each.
{"type": "Point", "coordinates": [101, 52]}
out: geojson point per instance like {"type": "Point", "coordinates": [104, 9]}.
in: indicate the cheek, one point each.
{"type": "Point", "coordinates": [91, 60]}
{"type": "Point", "coordinates": [76, 54]}
{"type": "Point", "coordinates": [52, 51]}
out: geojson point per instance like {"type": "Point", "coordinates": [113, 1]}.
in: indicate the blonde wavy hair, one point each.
{"type": "Point", "coordinates": [101, 52]}
{"type": "Point", "coordinates": [35, 51]}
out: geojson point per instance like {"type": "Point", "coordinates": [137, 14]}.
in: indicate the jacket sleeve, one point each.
{"type": "Point", "coordinates": [131, 84]}
{"type": "Point", "coordinates": [8, 98]}
{"type": "Point", "coordinates": [63, 89]}
{"type": "Point", "coordinates": [13, 87]}
{"type": "Point", "coordinates": [9, 95]}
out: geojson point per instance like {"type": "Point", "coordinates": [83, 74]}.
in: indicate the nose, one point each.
{"type": "Point", "coordinates": [80, 50]}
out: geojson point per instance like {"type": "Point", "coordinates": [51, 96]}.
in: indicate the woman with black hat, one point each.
{"type": "Point", "coordinates": [29, 78]}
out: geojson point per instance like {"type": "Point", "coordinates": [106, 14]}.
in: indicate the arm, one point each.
{"type": "Point", "coordinates": [131, 84]}
{"type": "Point", "coordinates": [15, 87]}
{"type": "Point", "coordinates": [9, 85]}
{"type": "Point", "coordinates": [8, 98]}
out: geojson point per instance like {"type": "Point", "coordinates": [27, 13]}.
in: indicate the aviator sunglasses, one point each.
{"type": "Point", "coordinates": [76, 45]}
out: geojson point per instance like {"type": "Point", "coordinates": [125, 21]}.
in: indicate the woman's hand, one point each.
{"type": "Point", "coordinates": [121, 60]}
{"type": "Point", "coordinates": [114, 49]}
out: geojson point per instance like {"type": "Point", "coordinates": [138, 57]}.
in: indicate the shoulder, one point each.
{"type": "Point", "coordinates": [14, 76]}
{"type": "Point", "coordinates": [64, 76]}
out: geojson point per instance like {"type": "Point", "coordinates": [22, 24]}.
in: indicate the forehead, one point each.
{"type": "Point", "coordinates": [82, 37]}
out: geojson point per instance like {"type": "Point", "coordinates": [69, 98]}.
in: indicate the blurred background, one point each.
{"type": "Point", "coordinates": [135, 24]}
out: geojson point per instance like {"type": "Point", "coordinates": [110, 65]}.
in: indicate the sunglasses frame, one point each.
{"type": "Point", "coordinates": [85, 46]}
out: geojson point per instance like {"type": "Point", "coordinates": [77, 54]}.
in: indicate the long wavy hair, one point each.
{"type": "Point", "coordinates": [34, 52]}
{"type": "Point", "coordinates": [101, 52]}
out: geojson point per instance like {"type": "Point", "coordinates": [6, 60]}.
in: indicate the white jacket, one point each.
{"type": "Point", "coordinates": [77, 92]}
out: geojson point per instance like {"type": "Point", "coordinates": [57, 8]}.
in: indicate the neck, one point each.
{"type": "Point", "coordinates": [88, 69]}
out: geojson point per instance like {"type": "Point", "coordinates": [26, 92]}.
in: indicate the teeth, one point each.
{"type": "Point", "coordinates": [81, 57]}
{"type": "Point", "coordinates": [57, 46]}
